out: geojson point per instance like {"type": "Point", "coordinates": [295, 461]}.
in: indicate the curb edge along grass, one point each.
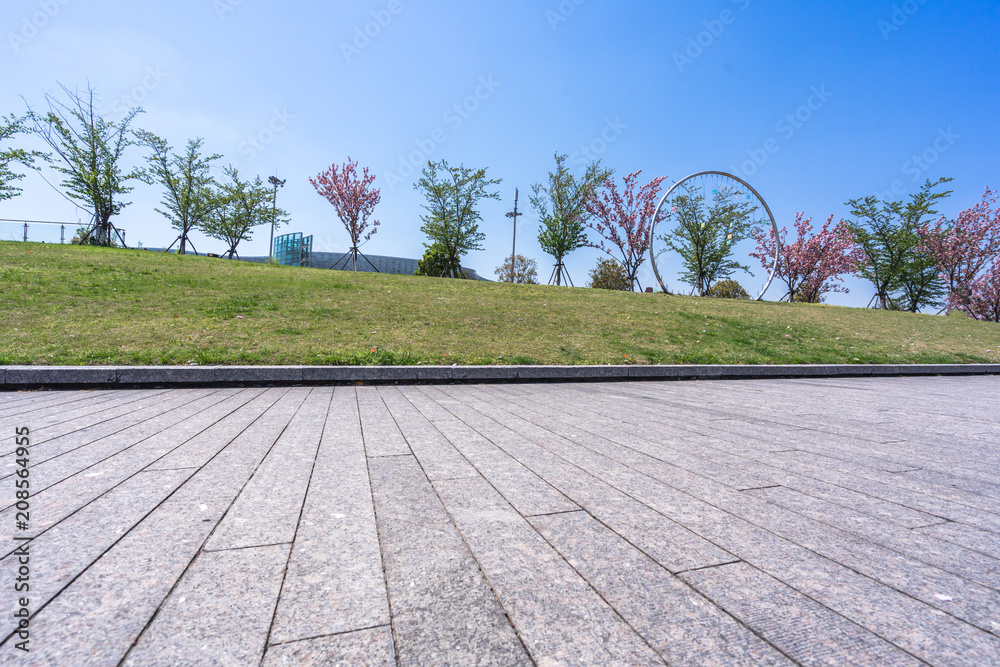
{"type": "Point", "coordinates": [103, 377]}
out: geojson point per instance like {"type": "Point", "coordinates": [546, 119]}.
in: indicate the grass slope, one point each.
{"type": "Point", "coordinates": [76, 305]}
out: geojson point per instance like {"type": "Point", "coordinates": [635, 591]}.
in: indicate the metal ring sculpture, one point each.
{"type": "Point", "coordinates": [669, 194]}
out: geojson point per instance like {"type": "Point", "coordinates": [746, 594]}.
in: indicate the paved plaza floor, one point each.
{"type": "Point", "coordinates": [848, 522]}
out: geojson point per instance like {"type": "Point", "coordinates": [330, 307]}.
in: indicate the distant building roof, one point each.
{"type": "Point", "coordinates": [367, 263]}
{"type": "Point", "coordinates": [380, 263]}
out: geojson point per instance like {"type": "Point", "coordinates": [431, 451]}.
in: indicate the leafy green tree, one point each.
{"type": "Point", "coordinates": [525, 271]}
{"type": "Point", "coordinates": [9, 127]}
{"type": "Point", "coordinates": [453, 195]}
{"type": "Point", "coordinates": [609, 274]}
{"type": "Point", "coordinates": [705, 235]}
{"type": "Point", "coordinates": [236, 208]}
{"type": "Point", "coordinates": [435, 263]}
{"type": "Point", "coordinates": [89, 150]}
{"type": "Point", "coordinates": [904, 275]}
{"type": "Point", "coordinates": [187, 199]}
{"type": "Point", "coordinates": [561, 205]}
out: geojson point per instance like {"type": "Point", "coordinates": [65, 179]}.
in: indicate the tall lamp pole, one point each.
{"type": "Point", "coordinates": [513, 254]}
{"type": "Point", "coordinates": [275, 183]}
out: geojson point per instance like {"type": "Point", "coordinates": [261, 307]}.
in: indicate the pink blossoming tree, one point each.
{"type": "Point", "coordinates": [984, 296]}
{"type": "Point", "coordinates": [623, 220]}
{"type": "Point", "coordinates": [353, 198]}
{"type": "Point", "coordinates": [813, 264]}
{"type": "Point", "coordinates": [963, 248]}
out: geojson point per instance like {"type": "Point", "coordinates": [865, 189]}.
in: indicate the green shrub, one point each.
{"type": "Point", "coordinates": [727, 289]}
{"type": "Point", "coordinates": [435, 263]}
{"type": "Point", "coordinates": [609, 274]}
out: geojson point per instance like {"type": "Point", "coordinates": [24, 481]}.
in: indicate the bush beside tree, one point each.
{"type": "Point", "coordinates": [609, 274]}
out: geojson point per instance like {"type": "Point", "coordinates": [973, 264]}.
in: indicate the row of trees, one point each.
{"type": "Point", "coordinates": [88, 150]}
{"type": "Point", "coordinates": [914, 258]}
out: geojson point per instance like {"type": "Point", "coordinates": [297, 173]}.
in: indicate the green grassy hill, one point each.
{"type": "Point", "coordinates": [77, 305]}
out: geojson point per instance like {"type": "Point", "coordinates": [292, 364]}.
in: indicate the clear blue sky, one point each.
{"type": "Point", "coordinates": [678, 87]}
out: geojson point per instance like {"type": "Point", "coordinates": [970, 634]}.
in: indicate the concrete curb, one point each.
{"type": "Point", "coordinates": [102, 377]}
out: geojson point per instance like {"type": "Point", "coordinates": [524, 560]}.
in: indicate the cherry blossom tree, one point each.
{"type": "Point", "coordinates": [964, 247]}
{"type": "Point", "coordinates": [984, 296]}
{"type": "Point", "coordinates": [623, 219]}
{"type": "Point", "coordinates": [813, 264]}
{"type": "Point", "coordinates": [353, 199]}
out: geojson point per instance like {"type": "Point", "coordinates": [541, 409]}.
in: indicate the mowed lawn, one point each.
{"type": "Point", "coordinates": [68, 305]}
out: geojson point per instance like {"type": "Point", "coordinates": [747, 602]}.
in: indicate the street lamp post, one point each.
{"type": "Point", "coordinates": [275, 183]}
{"type": "Point", "coordinates": [513, 248]}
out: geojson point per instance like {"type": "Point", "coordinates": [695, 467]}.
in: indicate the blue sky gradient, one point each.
{"type": "Point", "coordinates": [814, 103]}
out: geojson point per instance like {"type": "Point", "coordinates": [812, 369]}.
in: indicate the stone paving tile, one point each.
{"type": "Point", "coordinates": [267, 510]}
{"type": "Point", "coordinates": [967, 600]}
{"type": "Point", "coordinates": [985, 487]}
{"type": "Point", "coordinates": [240, 412]}
{"type": "Point", "coordinates": [558, 616]}
{"type": "Point", "coordinates": [522, 488]}
{"type": "Point", "coordinates": [52, 505]}
{"type": "Point", "coordinates": [438, 457]}
{"type": "Point", "coordinates": [62, 553]}
{"type": "Point", "coordinates": [443, 612]}
{"type": "Point", "coordinates": [912, 625]}
{"type": "Point", "coordinates": [900, 483]}
{"type": "Point", "coordinates": [428, 407]}
{"type": "Point", "coordinates": [365, 648]}
{"type": "Point", "coordinates": [46, 420]}
{"type": "Point", "coordinates": [227, 472]}
{"type": "Point", "coordinates": [107, 411]}
{"type": "Point", "coordinates": [803, 629]}
{"type": "Point", "coordinates": [631, 435]}
{"type": "Point", "coordinates": [766, 429]}
{"type": "Point", "coordinates": [47, 472]}
{"type": "Point", "coordinates": [382, 436]}
{"type": "Point", "coordinates": [860, 412]}
{"type": "Point", "coordinates": [747, 457]}
{"type": "Point", "coordinates": [887, 487]}
{"type": "Point", "coordinates": [982, 541]}
{"type": "Point", "coordinates": [949, 557]}
{"type": "Point", "coordinates": [128, 428]}
{"type": "Point", "coordinates": [23, 405]}
{"type": "Point", "coordinates": [670, 544]}
{"type": "Point", "coordinates": [99, 616]}
{"type": "Point", "coordinates": [335, 582]}
{"type": "Point", "coordinates": [221, 607]}
{"type": "Point", "coordinates": [683, 627]}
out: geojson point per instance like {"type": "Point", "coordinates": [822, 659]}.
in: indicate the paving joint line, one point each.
{"type": "Point", "coordinates": [332, 634]}
{"type": "Point", "coordinates": [298, 521]}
